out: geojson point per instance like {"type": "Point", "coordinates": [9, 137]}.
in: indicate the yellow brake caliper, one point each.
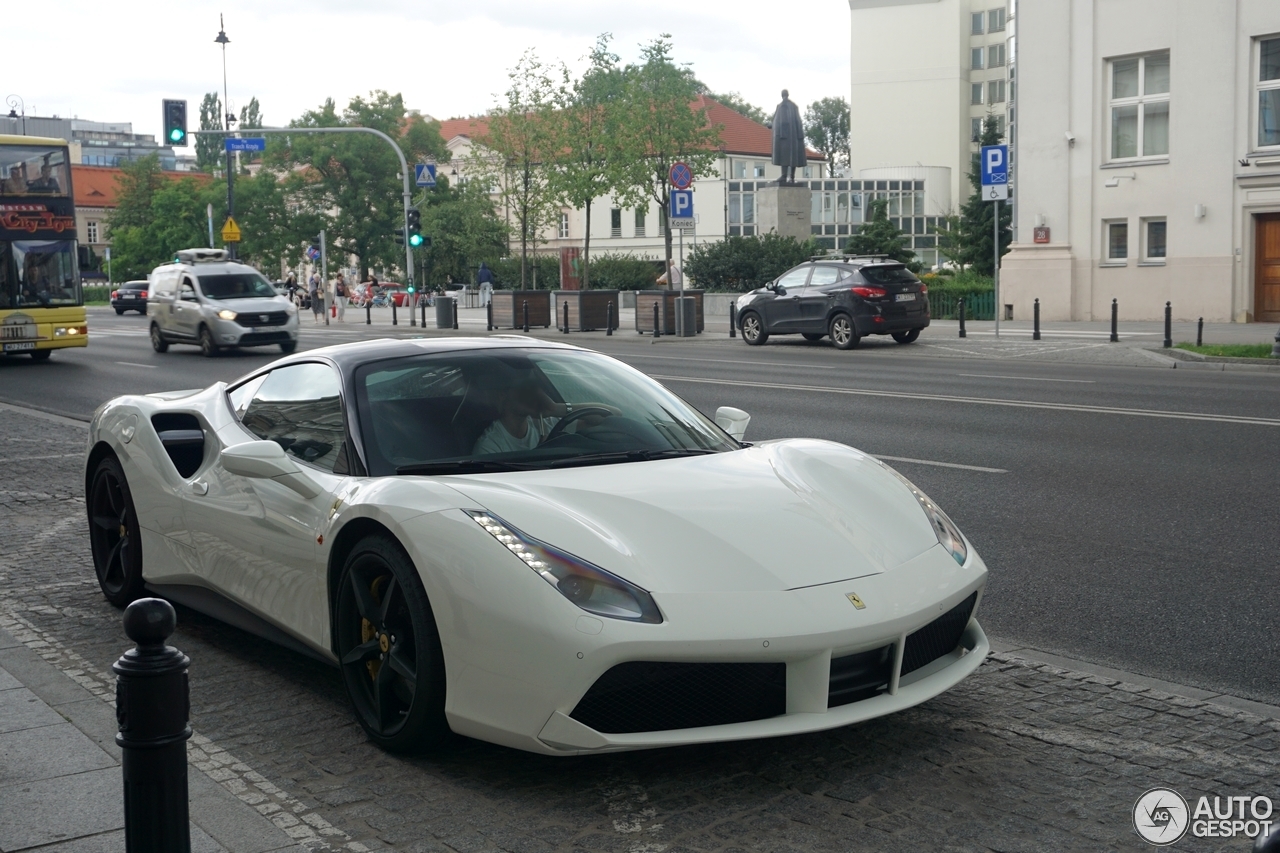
{"type": "Point", "coordinates": [367, 630]}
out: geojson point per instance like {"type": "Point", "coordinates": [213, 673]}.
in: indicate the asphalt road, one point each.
{"type": "Point", "coordinates": [1127, 514]}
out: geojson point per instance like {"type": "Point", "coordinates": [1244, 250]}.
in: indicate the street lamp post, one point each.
{"type": "Point", "coordinates": [228, 118]}
{"type": "Point", "coordinates": [15, 103]}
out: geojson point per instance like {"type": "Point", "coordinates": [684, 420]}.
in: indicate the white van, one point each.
{"type": "Point", "coordinates": [206, 299]}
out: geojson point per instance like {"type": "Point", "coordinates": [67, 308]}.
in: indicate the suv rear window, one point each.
{"type": "Point", "coordinates": [889, 275]}
{"type": "Point", "coordinates": [236, 286]}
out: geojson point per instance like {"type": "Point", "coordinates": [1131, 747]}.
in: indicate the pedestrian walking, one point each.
{"type": "Point", "coordinates": [314, 291]}
{"type": "Point", "coordinates": [484, 278]}
{"type": "Point", "coordinates": [340, 297]}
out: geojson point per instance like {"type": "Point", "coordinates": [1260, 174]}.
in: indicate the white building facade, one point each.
{"type": "Point", "coordinates": [1148, 165]}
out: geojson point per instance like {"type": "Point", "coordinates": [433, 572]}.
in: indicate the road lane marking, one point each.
{"type": "Point", "coordinates": [135, 364]}
{"type": "Point", "coordinates": [739, 362]}
{"type": "Point", "coordinates": [51, 456]}
{"type": "Point", "coordinates": [941, 464]}
{"type": "Point", "coordinates": [1027, 378]}
{"type": "Point", "coordinates": [988, 401]}
{"type": "Point", "coordinates": [1066, 333]}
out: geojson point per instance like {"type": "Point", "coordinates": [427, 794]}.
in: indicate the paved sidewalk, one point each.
{"type": "Point", "coordinates": [61, 789]}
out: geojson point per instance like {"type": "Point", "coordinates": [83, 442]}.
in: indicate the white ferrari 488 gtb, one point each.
{"type": "Point", "coordinates": [535, 545]}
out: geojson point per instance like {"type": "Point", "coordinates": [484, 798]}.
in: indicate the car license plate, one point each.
{"type": "Point", "coordinates": [19, 347]}
{"type": "Point", "coordinates": [905, 297]}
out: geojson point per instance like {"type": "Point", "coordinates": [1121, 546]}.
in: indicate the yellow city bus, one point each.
{"type": "Point", "coordinates": [41, 302]}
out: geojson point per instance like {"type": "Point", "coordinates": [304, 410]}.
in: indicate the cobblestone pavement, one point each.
{"type": "Point", "coordinates": [1021, 757]}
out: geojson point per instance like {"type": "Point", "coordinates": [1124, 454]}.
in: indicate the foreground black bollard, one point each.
{"type": "Point", "coordinates": [455, 313]}
{"type": "Point", "coordinates": [566, 316]}
{"type": "Point", "coordinates": [413, 318]}
{"type": "Point", "coordinates": [488, 317]}
{"type": "Point", "coordinates": [422, 303]}
{"type": "Point", "coordinates": [1115, 315]}
{"type": "Point", "coordinates": [152, 704]}
{"type": "Point", "coordinates": [657, 332]}
{"type": "Point", "coordinates": [1200, 332]}
{"type": "Point", "coordinates": [393, 310]}
{"type": "Point", "coordinates": [1275, 348]}
{"type": "Point", "coordinates": [608, 321]}
{"type": "Point", "coordinates": [1168, 325]}
{"type": "Point", "coordinates": [733, 320]}
{"type": "Point", "coordinates": [526, 316]}
{"type": "Point", "coordinates": [1035, 332]}
{"type": "Point", "coordinates": [960, 309]}
{"type": "Point", "coordinates": [368, 312]}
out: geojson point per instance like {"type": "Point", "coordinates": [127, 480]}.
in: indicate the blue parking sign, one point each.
{"type": "Point", "coordinates": [680, 213]}
{"type": "Point", "coordinates": [993, 162]}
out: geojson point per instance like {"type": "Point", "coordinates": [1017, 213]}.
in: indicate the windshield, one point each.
{"type": "Point", "coordinates": [38, 274]}
{"type": "Point", "coordinates": [889, 275]}
{"type": "Point", "coordinates": [236, 286]}
{"type": "Point", "coordinates": [31, 170]}
{"type": "Point", "coordinates": [517, 409]}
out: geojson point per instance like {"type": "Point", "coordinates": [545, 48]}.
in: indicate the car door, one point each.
{"type": "Point", "coordinates": [257, 537]}
{"type": "Point", "coordinates": [816, 298]}
{"type": "Point", "coordinates": [186, 311]}
{"type": "Point", "coordinates": [782, 313]}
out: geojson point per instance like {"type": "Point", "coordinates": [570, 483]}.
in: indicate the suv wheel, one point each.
{"type": "Point", "coordinates": [906, 337]}
{"type": "Point", "coordinates": [844, 334]}
{"type": "Point", "coordinates": [753, 329]}
{"type": "Point", "coordinates": [813, 336]}
{"type": "Point", "coordinates": [158, 343]}
{"type": "Point", "coordinates": [208, 347]}
{"type": "Point", "coordinates": [288, 347]}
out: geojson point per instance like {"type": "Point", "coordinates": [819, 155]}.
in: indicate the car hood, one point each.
{"type": "Point", "coordinates": [254, 305]}
{"type": "Point", "coordinates": [776, 516]}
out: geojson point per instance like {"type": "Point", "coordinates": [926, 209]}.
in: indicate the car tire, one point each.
{"type": "Point", "coordinates": [114, 536]}
{"type": "Point", "coordinates": [753, 331]}
{"type": "Point", "coordinates": [812, 336]}
{"type": "Point", "coordinates": [288, 347]}
{"type": "Point", "coordinates": [389, 649]}
{"type": "Point", "coordinates": [907, 337]}
{"type": "Point", "coordinates": [843, 331]}
{"type": "Point", "coordinates": [158, 343]}
{"type": "Point", "coordinates": [41, 354]}
{"type": "Point", "coordinates": [120, 312]}
{"type": "Point", "coordinates": [142, 311]}
{"type": "Point", "coordinates": [208, 346]}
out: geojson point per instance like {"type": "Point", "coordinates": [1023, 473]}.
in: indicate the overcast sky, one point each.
{"type": "Point", "coordinates": [117, 61]}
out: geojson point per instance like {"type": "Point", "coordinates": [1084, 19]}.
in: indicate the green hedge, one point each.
{"type": "Point", "coordinates": [618, 271]}
{"type": "Point", "coordinates": [739, 264]}
{"type": "Point", "coordinates": [97, 293]}
{"type": "Point", "coordinates": [947, 288]}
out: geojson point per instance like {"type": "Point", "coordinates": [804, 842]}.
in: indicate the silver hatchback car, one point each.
{"type": "Point", "coordinates": [206, 299]}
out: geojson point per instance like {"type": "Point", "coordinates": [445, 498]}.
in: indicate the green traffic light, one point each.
{"type": "Point", "coordinates": [176, 134]}
{"type": "Point", "coordinates": [415, 240]}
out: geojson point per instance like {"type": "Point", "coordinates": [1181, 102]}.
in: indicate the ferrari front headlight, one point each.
{"type": "Point", "coordinates": [945, 529]}
{"type": "Point", "coordinates": [589, 587]}
{"type": "Point", "coordinates": [227, 314]}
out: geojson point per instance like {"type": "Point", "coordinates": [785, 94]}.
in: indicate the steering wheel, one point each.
{"type": "Point", "coordinates": [576, 414]}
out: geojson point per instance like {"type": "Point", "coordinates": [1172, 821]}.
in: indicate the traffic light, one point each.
{"type": "Point", "coordinates": [415, 227]}
{"type": "Point", "coordinates": [175, 123]}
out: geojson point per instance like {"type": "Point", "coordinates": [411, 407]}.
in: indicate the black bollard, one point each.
{"type": "Point", "coordinates": [488, 317]}
{"type": "Point", "coordinates": [657, 331]}
{"type": "Point", "coordinates": [368, 312]}
{"type": "Point", "coordinates": [1200, 332]}
{"type": "Point", "coordinates": [526, 316]}
{"type": "Point", "coordinates": [1275, 348]}
{"type": "Point", "coordinates": [608, 322]}
{"type": "Point", "coordinates": [960, 310]}
{"type": "Point", "coordinates": [733, 320]}
{"type": "Point", "coordinates": [1035, 333]}
{"type": "Point", "coordinates": [393, 310]}
{"type": "Point", "coordinates": [1115, 315]}
{"type": "Point", "coordinates": [413, 318]}
{"type": "Point", "coordinates": [1168, 325]}
{"type": "Point", "coordinates": [566, 316]}
{"type": "Point", "coordinates": [455, 313]}
{"type": "Point", "coordinates": [152, 704]}
{"type": "Point", "coordinates": [422, 303]}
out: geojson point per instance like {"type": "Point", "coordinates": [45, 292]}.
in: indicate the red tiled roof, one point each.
{"type": "Point", "coordinates": [469, 127]}
{"type": "Point", "coordinates": [96, 186]}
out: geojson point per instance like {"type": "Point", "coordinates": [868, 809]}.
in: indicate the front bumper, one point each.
{"type": "Point", "coordinates": [232, 334]}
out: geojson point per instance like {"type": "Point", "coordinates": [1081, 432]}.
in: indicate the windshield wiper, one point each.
{"type": "Point", "coordinates": [627, 456]}
{"type": "Point", "coordinates": [465, 466]}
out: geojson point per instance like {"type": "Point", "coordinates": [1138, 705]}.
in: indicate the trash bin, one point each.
{"type": "Point", "coordinates": [444, 312]}
{"type": "Point", "coordinates": [686, 316]}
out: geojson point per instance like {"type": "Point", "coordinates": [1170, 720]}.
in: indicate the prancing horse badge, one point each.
{"type": "Point", "coordinates": [855, 601]}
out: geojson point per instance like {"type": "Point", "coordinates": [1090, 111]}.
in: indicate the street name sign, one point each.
{"type": "Point", "coordinates": [680, 214]}
{"type": "Point", "coordinates": [249, 143]}
{"type": "Point", "coordinates": [994, 163]}
{"type": "Point", "coordinates": [230, 231]}
{"type": "Point", "coordinates": [424, 174]}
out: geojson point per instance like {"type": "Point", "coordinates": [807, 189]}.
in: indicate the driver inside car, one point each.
{"type": "Point", "coordinates": [526, 416]}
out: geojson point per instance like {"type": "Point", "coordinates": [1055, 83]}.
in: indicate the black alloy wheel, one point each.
{"type": "Point", "coordinates": [208, 346]}
{"type": "Point", "coordinates": [907, 337]}
{"type": "Point", "coordinates": [158, 343]}
{"type": "Point", "coordinates": [389, 649]}
{"type": "Point", "coordinates": [812, 336]}
{"type": "Point", "coordinates": [114, 536]}
{"type": "Point", "coordinates": [41, 354]}
{"type": "Point", "coordinates": [753, 329]}
{"type": "Point", "coordinates": [844, 334]}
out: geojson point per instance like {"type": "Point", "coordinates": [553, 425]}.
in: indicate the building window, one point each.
{"type": "Point", "coordinates": [739, 169]}
{"type": "Point", "coordinates": [615, 223]}
{"type": "Point", "coordinates": [640, 214]}
{"type": "Point", "coordinates": [807, 172]}
{"type": "Point", "coordinates": [1140, 106]}
{"type": "Point", "coordinates": [975, 93]}
{"type": "Point", "coordinates": [976, 24]}
{"type": "Point", "coordinates": [995, 56]}
{"type": "Point", "coordinates": [742, 208]}
{"type": "Point", "coordinates": [995, 92]}
{"type": "Point", "coordinates": [975, 129]}
{"type": "Point", "coordinates": [1153, 240]}
{"type": "Point", "coordinates": [995, 21]}
{"type": "Point", "coordinates": [975, 58]}
{"type": "Point", "coordinates": [1268, 92]}
{"type": "Point", "coordinates": [758, 169]}
{"type": "Point", "coordinates": [564, 226]}
{"type": "Point", "coordinates": [1117, 238]}
{"type": "Point", "coordinates": [91, 231]}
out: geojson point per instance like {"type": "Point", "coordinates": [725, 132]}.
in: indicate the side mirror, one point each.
{"type": "Point", "coordinates": [188, 296]}
{"type": "Point", "coordinates": [733, 421]}
{"type": "Point", "coordinates": [266, 460]}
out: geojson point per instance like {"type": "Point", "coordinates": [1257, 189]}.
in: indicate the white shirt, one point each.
{"type": "Point", "coordinates": [496, 439]}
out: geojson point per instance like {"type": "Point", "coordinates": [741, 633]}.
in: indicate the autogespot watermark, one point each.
{"type": "Point", "coordinates": [1162, 817]}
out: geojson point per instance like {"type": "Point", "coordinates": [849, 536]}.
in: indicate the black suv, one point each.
{"type": "Point", "coordinates": [845, 298]}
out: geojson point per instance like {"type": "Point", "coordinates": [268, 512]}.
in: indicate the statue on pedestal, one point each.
{"type": "Point", "coordinates": [788, 140]}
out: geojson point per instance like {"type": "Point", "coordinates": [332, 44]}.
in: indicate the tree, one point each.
{"type": "Point", "coordinates": [585, 127]}
{"type": "Point", "coordinates": [523, 144]}
{"type": "Point", "coordinates": [251, 116]}
{"type": "Point", "coordinates": [209, 148]}
{"type": "Point", "coordinates": [464, 230]}
{"type": "Point", "coordinates": [156, 217]}
{"type": "Point", "coordinates": [745, 263]}
{"type": "Point", "coordinates": [976, 233]}
{"type": "Point", "coordinates": [660, 127]}
{"type": "Point", "coordinates": [826, 124]}
{"type": "Point", "coordinates": [879, 236]}
{"type": "Point", "coordinates": [740, 105]}
{"type": "Point", "coordinates": [950, 240]}
{"type": "Point", "coordinates": [272, 228]}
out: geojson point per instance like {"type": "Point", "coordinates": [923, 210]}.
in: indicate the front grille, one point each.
{"type": "Point", "coordinates": [272, 318]}
{"type": "Point", "coordinates": [650, 696]}
{"type": "Point", "coordinates": [940, 637]}
{"type": "Point", "coordinates": [256, 338]}
{"type": "Point", "coordinates": [860, 676]}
